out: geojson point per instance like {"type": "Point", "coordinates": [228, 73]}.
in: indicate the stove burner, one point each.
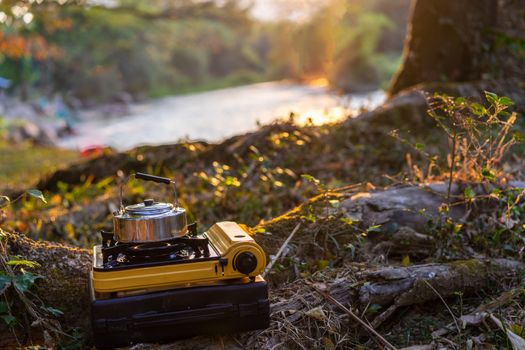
{"type": "Point", "coordinates": [157, 251]}
{"type": "Point", "coordinates": [181, 248]}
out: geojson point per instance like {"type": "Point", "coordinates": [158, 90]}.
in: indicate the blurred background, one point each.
{"type": "Point", "coordinates": [103, 73]}
{"type": "Point", "coordinates": [85, 75]}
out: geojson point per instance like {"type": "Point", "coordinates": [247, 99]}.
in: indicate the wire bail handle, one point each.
{"type": "Point", "coordinates": [152, 178]}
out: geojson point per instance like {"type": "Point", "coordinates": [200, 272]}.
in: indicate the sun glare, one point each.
{"type": "Point", "coordinates": [318, 82]}
{"type": "Point", "coordinates": [322, 116]}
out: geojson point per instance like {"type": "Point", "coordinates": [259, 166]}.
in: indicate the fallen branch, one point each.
{"type": "Point", "coordinates": [285, 244]}
{"type": "Point", "coordinates": [403, 286]}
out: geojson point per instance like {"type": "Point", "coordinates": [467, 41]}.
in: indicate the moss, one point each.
{"type": "Point", "coordinates": [64, 271]}
{"type": "Point", "coordinates": [473, 268]}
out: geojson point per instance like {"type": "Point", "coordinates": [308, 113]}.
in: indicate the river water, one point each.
{"type": "Point", "coordinates": [215, 115]}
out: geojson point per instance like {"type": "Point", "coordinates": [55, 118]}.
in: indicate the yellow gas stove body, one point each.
{"type": "Point", "coordinates": [232, 251]}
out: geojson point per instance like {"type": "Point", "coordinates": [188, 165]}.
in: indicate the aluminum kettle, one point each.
{"type": "Point", "coordinates": [149, 221]}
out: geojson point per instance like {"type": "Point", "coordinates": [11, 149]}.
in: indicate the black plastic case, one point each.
{"type": "Point", "coordinates": [180, 313]}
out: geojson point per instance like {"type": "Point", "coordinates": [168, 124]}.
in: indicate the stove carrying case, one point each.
{"type": "Point", "coordinates": [180, 313]}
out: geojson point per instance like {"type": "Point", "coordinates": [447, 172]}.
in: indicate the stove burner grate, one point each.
{"type": "Point", "coordinates": [180, 248]}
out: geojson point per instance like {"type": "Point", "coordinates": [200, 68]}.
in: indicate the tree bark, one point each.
{"type": "Point", "coordinates": [446, 41]}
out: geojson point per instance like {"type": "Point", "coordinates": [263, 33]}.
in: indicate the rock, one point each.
{"type": "Point", "coordinates": [19, 110]}
{"type": "Point", "coordinates": [24, 130]}
{"type": "Point", "coordinates": [406, 241]}
{"type": "Point", "coordinates": [408, 109]}
{"type": "Point", "coordinates": [409, 206]}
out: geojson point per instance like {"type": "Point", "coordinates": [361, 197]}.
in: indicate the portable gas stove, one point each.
{"type": "Point", "coordinates": [155, 278]}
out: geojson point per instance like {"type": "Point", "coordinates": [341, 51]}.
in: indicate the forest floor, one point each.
{"type": "Point", "coordinates": [384, 241]}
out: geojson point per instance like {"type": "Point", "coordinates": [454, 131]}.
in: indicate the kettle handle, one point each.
{"type": "Point", "coordinates": [154, 178]}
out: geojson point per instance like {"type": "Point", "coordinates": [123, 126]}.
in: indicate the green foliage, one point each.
{"type": "Point", "coordinates": [19, 279]}
{"type": "Point", "coordinates": [36, 194]}
{"type": "Point", "coordinates": [343, 41]}
{"type": "Point", "coordinates": [480, 136]}
{"type": "Point", "coordinates": [245, 188]}
{"type": "Point", "coordinates": [358, 62]}
{"type": "Point", "coordinates": [19, 304]}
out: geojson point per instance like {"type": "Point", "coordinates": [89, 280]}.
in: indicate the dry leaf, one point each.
{"type": "Point", "coordinates": [517, 342]}
{"type": "Point", "coordinates": [316, 313]}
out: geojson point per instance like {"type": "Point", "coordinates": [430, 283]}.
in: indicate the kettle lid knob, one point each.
{"type": "Point", "coordinates": [148, 202]}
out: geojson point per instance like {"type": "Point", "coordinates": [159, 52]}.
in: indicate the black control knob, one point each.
{"type": "Point", "coordinates": [245, 263]}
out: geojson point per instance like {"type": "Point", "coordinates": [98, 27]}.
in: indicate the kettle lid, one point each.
{"type": "Point", "coordinates": [148, 208]}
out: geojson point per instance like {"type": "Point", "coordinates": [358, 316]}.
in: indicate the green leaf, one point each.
{"type": "Point", "coordinates": [478, 109]}
{"type": "Point", "coordinates": [459, 100]}
{"type": "Point", "coordinates": [488, 174]}
{"type": "Point", "coordinates": [322, 264]}
{"type": "Point", "coordinates": [310, 178]}
{"type": "Point", "coordinates": [419, 146]}
{"type": "Point", "coordinates": [347, 221]}
{"type": "Point", "coordinates": [496, 193]}
{"type": "Point", "coordinates": [232, 181]}
{"type": "Point", "coordinates": [37, 194]}
{"type": "Point", "coordinates": [25, 281]}
{"type": "Point", "coordinates": [504, 100]}
{"type": "Point", "coordinates": [517, 136]}
{"type": "Point", "coordinates": [373, 309]}
{"type": "Point", "coordinates": [310, 217]}
{"type": "Point", "coordinates": [491, 97]}
{"type": "Point", "coordinates": [9, 320]}
{"type": "Point", "coordinates": [374, 228]}
{"type": "Point", "coordinates": [351, 248]}
{"type": "Point", "coordinates": [16, 261]}
{"type": "Point", "coordinates": [53, 311]}
{"type": "Point", "coordinates": [4, 308]}
{"type": "Point", "coordinates": [104, 182]}
{"type": "Point", "coordinates": [469, 193]}
{"type": "Point", "coordinates": [405, 261]}
{"type": "Point", "coordinates": [518, 329]}
{"type": "Point", "coordinates": [5, 282]}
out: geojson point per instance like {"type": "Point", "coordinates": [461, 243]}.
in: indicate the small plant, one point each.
{"type": "Point", "coordinates": [17, 281]}
{"type": "Point", "coordinates": [16, 284]}
{"type": "Point", "coordinates": [479, 138]}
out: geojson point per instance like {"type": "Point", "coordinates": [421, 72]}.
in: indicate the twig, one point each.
{"type": "Point", "coordinates": [483, 309]}
{"type": "Point", "coordinates": [270, 264]}
{"type": "Point", "coordinates": [452, 161]}
{"type": "Point", "coordinates": [331, 299]}
{"type": "Point", "coordinates": [378, 321]}
{"type": "Point", "coordinates": [446, 305]}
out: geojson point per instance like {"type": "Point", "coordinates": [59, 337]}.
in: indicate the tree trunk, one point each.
{"type": "Point", "coordinates": [463, 41]}
{"type": "Point", "coordinates": [446, 41]}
